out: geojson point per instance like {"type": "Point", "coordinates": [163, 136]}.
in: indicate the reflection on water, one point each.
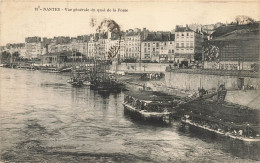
{"type": "Point", "coordinates": [45, 119]}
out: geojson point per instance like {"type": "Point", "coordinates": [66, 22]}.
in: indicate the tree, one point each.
{"type": "Point", "coordinates": [15, 56]}
{"type": "Point", "coordinates": [6, 57]}
{"type": "Point", "coordinates": [242, 19]}
{"type": "Point", "coordinates": [110, 26]}
{"type": "Point", "coordinates": [197, 56]}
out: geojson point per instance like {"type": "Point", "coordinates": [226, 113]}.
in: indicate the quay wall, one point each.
{"type": "Point", "coordinates": [187, 81]}
{"type": "Point", "coordinates": [140, 67]}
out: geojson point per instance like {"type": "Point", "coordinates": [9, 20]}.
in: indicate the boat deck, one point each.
{"type": "Point", "coordinates": [145, 113]}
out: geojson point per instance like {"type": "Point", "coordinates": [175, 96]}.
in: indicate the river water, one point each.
{"type": "Point", "coordinates": [44, 119]}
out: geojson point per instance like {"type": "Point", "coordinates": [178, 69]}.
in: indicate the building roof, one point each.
{"type": "Point", "coordinates": [63, 53]}
{"type": "Point", "coordinates": [132, 34]}
{"type": "Point", "coordinates": [222, 30]}
{"type": "Point", "coordinates": [15, 45]}
{"type": "Point", "coordinates": [241, 34]}
{"type": "Point", "coordinates": [160, 36]}
{"type": "Point", "coordinates": [183, 29]}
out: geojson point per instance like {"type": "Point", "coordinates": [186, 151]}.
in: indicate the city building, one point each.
{"type": "Point", "coordinates": [78, 48]}
{"type": "Point", "coordinates": [19, 48]}
{"type": "Point", "coordinates": [93, 46]}
{"type": "Point", "coordinates": [132, 42]}
{"type": "Point", "coordinates": [56, 59]}
{"type": "Point", "coordinates": [236, 49]}
{"type": "Point", "coordinates": [117, 48]}
{"type": "Point", "coordinates": [102, 47]}
{"type": "Point", "coordinates": [33, 47]}
{"type": "Point", "coordinates": [207, 28]}
{"type": "Point", "coordinates": [12, 52]}
{"type": "Point", "coordinates": [158, 46]}
{"type": "Point", "coordinates": [188, 44]}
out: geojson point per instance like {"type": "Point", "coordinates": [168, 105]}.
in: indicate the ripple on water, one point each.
{"type": "Point", "coordinates": [45, 119]}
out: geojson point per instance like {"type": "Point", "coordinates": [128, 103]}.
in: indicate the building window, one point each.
{"type": "Point", "coordinates": [144, 49]}
{"type": "Point", "coordinates": [157, 44]}
{"type": "Point", "coordinates": [144, 44]}
{"type": "Point", "coordinates": [172, 51]}
{"type": "Point", "coordinates": [153, 49]}
{"type": "Point", "coordinates": [177, 45]}
{"type": "Point", "coordinates": [148, 44]}
{"type": "Point", "coordinates": [182, 44]}
{"type": "Point", "coordinates": [187, 34]}
{"type": "Point", "coordinates": [170, 42]}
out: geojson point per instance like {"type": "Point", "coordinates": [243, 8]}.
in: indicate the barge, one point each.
{"type": "Point", "coordinates": [242, 134]}
{"type": "Point", "coordinates": [149, 106]}
{"type": "Point", "coordinates": [223, 118]}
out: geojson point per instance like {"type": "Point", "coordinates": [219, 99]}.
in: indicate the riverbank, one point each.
{"type": "Point", "coordinates": [228, 111]}
{"type": "Point", "coordinates": [232, 113]}
{"type": "Point", "coordinates": [45, 119]}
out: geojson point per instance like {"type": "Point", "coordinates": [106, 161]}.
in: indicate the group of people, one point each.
{"type": "Point", "coordinates": [141, 105]}
{"type": "Point", "coordinates": [152, 76]}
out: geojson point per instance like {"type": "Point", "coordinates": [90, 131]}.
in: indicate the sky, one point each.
{"type": "Point", "coordinates": [18, 19]}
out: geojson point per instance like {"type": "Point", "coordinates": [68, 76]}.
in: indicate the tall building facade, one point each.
{"type": "Point", "coordinates": [33, 50]}
{"type": "Point", "coordinates": [188, 44]}
{"type": "Point", "coordinates": [133, 39]}
{"type": "Point", "coordinates": [117, 47]}
{"type": "Point", "coordinates": [237, 49]}
{"type": "Point", "coordinates": [158, 46]}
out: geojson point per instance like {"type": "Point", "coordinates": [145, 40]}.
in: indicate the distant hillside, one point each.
{"type": "Point", "coordinates": [222, 30]}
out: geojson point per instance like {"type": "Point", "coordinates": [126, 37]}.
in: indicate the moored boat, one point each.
{"type": "Point", "coordinates": [243, 133]}
{"type": "Point", "coordinates": [102, 81]}
{"type": "Point", "coordinates": [149, 106]}
{"type": "Point", "coordinates": [77, 82]}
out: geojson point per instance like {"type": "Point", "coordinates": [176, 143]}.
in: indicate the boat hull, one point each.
{"type": "Point", "coordinates": [104, 88]}
{"type": "Point", "coordinates": [151, 117]}
{"type": "Point", "coordinates": [204, 128]}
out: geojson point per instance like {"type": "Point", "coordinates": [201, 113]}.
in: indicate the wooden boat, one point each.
{"type": "Point", "coordinates": [149, 106]}
{"type": "Point", "coordinates": [86, 83]}
{"type": "Point", "coordinates": [78, 77]}
{"type": "Point", "coordinates": [101, 80]}
{"type": "Point", "coordinates": [241, 137]}
{"type": "Point", "coordinates": [67, 69]}
{"type": "Point", "coordinates": [77, 82]}
{"type": "Point", "coordinates": [53, 71]}
{"type": "Point", "coordinates": [30, 69]}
